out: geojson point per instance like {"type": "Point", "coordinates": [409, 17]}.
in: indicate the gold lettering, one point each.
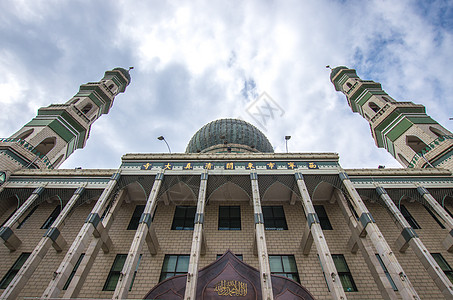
{"type": "Point", "coordinates": [231, 288]}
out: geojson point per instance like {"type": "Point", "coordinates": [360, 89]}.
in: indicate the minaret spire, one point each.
{"type": "Point", "coordinates": [59, 129]}
{"type": "Point", "coordinates": [403, 128]}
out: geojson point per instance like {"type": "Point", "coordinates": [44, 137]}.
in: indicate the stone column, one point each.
{"type": "Point", "coordinates": [143, 231]}
{"type": "Point", "coordinates": [313, 232]}
{"type": "Point", "coordinates": [433, 205]}
{"type": "Point", "coordinates": [263, 258]}
{"type": "Point", "coordinates": [51, 237]}
{"type": "Point", "coordinates": [357, 242]}
{"type": "Point", "coordinates": [368, 226]}
{"type": "Point", "coordinates": [6, 233]}
{"type": "Point", "coordinates": [192, 274]}
{"type": "Point", "coordinates": [409, 237]}
{"type": "Point", "coordinates": [93, 249]}
{"type": "Point", "coordinates": [92, 226]}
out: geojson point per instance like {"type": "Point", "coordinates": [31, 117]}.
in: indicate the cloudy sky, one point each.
{"type": "Point", "coordinates": [197, 61]}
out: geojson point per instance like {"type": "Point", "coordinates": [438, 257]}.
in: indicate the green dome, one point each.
{"type": "Point", "coordinates": [336, 70]}
{"type": "Point", "coordinates": [238, 134]}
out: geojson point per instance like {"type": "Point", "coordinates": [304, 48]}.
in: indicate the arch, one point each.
{"type": "Point", "coordinates": [403, 159]}
{"type": "Point", "coordinates": [436, 131]}
{"type": "Point", "coordinates": [415, 143]}
{"type": "Point", "coordinates": [277, 192]}
{"type": "Point", "coordinates": [25, 134]}
{"type": "Point", "coordinates": [229, 191]}
{"type": "Point", "coordinates": [46, 145]}
{"type": "Point", "coordinates": [136, 191]}
{"type": "Point", "coordinates": [349, 85]}
{"type": "Point", "coordinates": [374, 107]}
{"type": "Point", "coordinates": [111, 86]}
{"type": "Point", "coordinates": [75, 101]}
{"type": "Point", "coordinates": [87, 108]}
{"type": "Point", "coordinates": [323, 192]}
{"type": "Point", "coordinates": [179, 192]}
{"type": "Point", "coordinates": [57, 162]}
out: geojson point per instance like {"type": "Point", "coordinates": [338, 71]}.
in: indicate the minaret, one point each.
{"type": "Point", "coordinates": [59, 129]}
{"type": "Point", "coordinates": [403, 128]}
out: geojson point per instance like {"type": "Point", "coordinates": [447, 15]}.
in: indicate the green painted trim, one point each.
{"type": "Point", "coordinates": [96, 100]}
{"type": "Point", "coordinates": [390, 147]}
{"type": "Point", "coordinates": [71, 147]}
{"type": "Point", "coordinates": [349, 73]}
{"type": "Point", "coordinates": [422, 120]}
{"type": "Point", "coordinates": [443, 158]}
{"type": "Point", "coordinates": [66, 116]}
{"type": "Point", "coordinates": [364, 99]}
{"type": "Point", "coordinates": [15, 157]}
{"type": "Point", "coordinates": [399, 129]}
{"type": "Point", "coordinates": [396, 113]}
{"type": "Point", "coordinates": [97, 90]}
{"type": "Point", "coordinates": [62, 131]}
{"type": "Point", "coordinates": [364, 87]}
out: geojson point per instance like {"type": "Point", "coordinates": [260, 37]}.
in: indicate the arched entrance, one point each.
{"type": "Point", "coordinates": [229, 278]}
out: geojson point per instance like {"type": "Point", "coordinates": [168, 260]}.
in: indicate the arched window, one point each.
{"type": "Point", "coordinates": [415, 143]}
{"type": "Point", "coordinates": [403, 160]}
{"type": "Point", "coordinates": [46, 145]}
{"type": "Point", "coordinates": [436, 131]}
{"type": "Point", "coordinates": [25, 134]}
{"type": "Point", "coordinates": [55, 164]}
{"type": "Point", "coordinates": [111, 86]}
{"type": "Point", "coordinates": [87, 108]}
{"type": "Point", "coordinates": [75, 101]}
{"type": "Point", "coordinates": [374, 106]}
{"type": "Point", "coordinates": [349, 85]}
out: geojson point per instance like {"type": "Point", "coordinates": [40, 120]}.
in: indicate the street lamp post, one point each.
{"type": "Point", "coordinates": [161, 138]}
{"type": "Point", "coordinates": [287, 137]}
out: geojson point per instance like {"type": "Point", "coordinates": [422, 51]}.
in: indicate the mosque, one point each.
{"type": "Point", "coordinates": [229, 218]}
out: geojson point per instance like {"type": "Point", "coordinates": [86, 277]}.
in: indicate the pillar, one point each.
{"type": "Point", "coordinates": [433, 205]}
{"type": "Point", "coordinates": [357, 242]}
{"type": "Point", "coordinates": [313, 232]}
{"type": "Point", "coordinates": [197, 240]}
{"type": "Point", "coordinates": [126, 275]}
{"type": "Point", "coordinates": [369, 227]}
{"type": "Point", "coordinates": [91, 226]}
{"type": "Point", "coordinates": [409, 237]}
{"type": "Point", "coordinates": [6, 233]}
{"type": "Point", "coordinates": [263, 258]}
{"type": "Point", "coordinates": [51, 237]}
{"type": "Point", "coordinates": [93, 249]}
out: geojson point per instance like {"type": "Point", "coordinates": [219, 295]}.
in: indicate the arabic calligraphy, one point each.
{"type": "Point", "coordinates": [232, 288]}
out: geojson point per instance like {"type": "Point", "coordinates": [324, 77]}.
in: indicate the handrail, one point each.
{"type": "Point", "coordinates": [428, 148]}
{"type": "Point", "coordinates": [27, 146]}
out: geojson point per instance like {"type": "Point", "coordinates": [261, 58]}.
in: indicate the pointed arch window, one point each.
{"type": "Point", "coordinates": [436, 131]}
{"type": "Point", "coordinates": [87, 108]}
{"type": "Point", "coordinates": [374, 107]}
{"type": "Point", "coordinates": [46, 145]}
{"type": "Point", "coordinates": [55, 164]}
{"type": "Point", "coordinates": [403, 159]}
{"type": "Point", "coordinates": [25, 134]}
{"type": "Point", "coordinates": [415, 143]}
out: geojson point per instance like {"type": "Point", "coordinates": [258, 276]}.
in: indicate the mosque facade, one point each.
{"type": "Point", "coordinates": [229, 218]}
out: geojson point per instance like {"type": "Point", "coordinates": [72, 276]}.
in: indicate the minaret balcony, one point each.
{"type": "Point", "coordinates": [432, 151]}
{"type": "Point", "coordinates": [31, 157]}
